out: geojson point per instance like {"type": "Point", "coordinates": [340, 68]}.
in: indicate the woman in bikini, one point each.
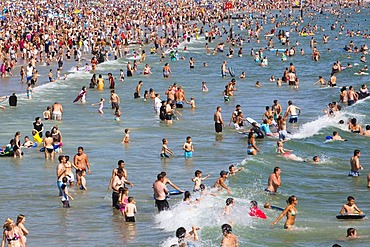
{"type": "Point", "coordinates": [12, 235]}
{"type": "Point", "coordinates": [290, 211]}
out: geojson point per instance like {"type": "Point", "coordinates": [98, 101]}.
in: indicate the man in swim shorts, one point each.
{"type": "Point", "coordinates": [274, 181]}
{"type": "Point", "coordinates": [219, 123]}
{"type": "Point", "coordinates": [292, 111]}
{"type": "Point", "coordinates": [114, 99]}
{"type": "Point", "coordinates": [355, 164]}
{"type": "Point", "coordinates": [160, 193]}
{"type": "Point", "coordinates": [57, 111]}
{"type": "Point", "coordinates": [81, 161]}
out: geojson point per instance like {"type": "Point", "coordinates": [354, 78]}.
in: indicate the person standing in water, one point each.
{"type": "Point", "coordinates": [82, 162]}
{"type": "Point", "coordinates": [160, 193]}
{"type": "Point", "coordinates": [355, 164]}
{"type": "Point", "coordinates": [290, 212]}
{"type": "Point", "coordinates": [274, 181]}
{"type": "Point", "coordinates": [292, 111]}
{"type": "Point", "coordinates": [219, 122]}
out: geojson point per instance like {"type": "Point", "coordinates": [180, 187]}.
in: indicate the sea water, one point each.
{"type": "Point", "coordinates": [28, 185]}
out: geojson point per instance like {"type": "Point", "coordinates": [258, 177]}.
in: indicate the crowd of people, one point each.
{"type": "Point", "coordinates": [54, 33]}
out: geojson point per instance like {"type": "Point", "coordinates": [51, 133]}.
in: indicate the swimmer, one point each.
{"type": "Point", "coordinates": [165, 150]}
{"type": "Point", "coordinates": [184, 237]}
{"type": "Point", "coordinates": [101, 105]}
{"type": "Point", "coordinates": [315, 159]}
{"type": "Point", "coordinates": [198, 180]}
{"type": "Point", "coordinates": [274, 181]}
{"type": "Point", "coordinates": [290, 211]}
{"type": "Point", "coordinates": [188, 147]}
{"type": "Point", "coordinates": [126, 138]}
{"type": "Point", "coordinates": [285, 152]}
{"type": "Point", "coordinates": [204, 86]}
{"type": "Point", "coordinates": [292, 112]}
{"type": "Point", "coordinates": [258, 84]}
{"type": "Point", "coordinates": [233, 170]}
{"type": "Point", "coordinates": [220, 182]}
{"type": "Point", "coordinates": [337, 137]}
{"type": "Point", "coordinates": [229, 239]}
{"type": "Point", "coordinates": [192, 103]}
{"type": "Point", "coordinates": [254, 210]}
{"type": "Point", "coordinates": [242, 75]}
{"type": "Point", "coordinates": [350, 207]}
{"type": "Point", "coordinates": [367, 131]}
{"type": "Point", "coordinates": [229, 203]}
{"type": "Point", "coordinates": [351, 233]}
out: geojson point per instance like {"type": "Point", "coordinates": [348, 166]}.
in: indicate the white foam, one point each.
{"type": "Point", "coordinates": [312, 128]}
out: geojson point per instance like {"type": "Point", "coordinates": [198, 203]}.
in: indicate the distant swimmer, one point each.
{"type": "Point", "coordinates": [290, 212]}
{"type": "Point", "coordinates": [355, 164]}
{"type": "Point", "coordinates": [229, 203]}
{"type": "Point", "coordinates": [233, 170]}
{"type": "Point", "coordinates": [274, 181]}
{"type": "Point", "coordinates": [337, 137]}
{"type": "Point", "coordinates": [292, 112]}
{"type": "Point", "coordinates": [367, 131]}
{"type": "Point", "coordinates": [350, 207]}
{"type": "Point", "coordinates": [220, 182]}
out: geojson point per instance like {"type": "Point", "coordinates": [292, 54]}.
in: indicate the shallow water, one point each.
{"type": "Point", "coordinates": [29, 186]}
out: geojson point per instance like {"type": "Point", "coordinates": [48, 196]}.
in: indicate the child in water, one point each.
{"type": "Point", "coordinates": [29, 91]}
{"type": "Point", "coordinates": [192, 103]}
{"type": "Point", "coordinates": [165, 149]}
{"type": "Point", "coordinates": [101, 105]}
{"type": "Point", "coordinates": [126, 138]}
{"type": "Point", "coordinates": [198, 180]}
{"type": "Point", "coordinates": [65, 194]}
{"type": "Point", "coordinates": [117, 114]}
{"type": "Point", "coordinates": [130, 210]}
{"type": "Point", "coordinates": [123, 199]}
{"type": "Point", "coordinates": [188, 147]}
{"type": "Point", "coordinates": [229, 204]}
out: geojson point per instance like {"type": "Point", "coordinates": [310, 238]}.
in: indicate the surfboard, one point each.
{"type": "Point", "coordinates": [279, 50]}
{"type": "Point", "coordinates": [171, 193]}
{"type": "Point", "coordinates": [277, 208]}
{"type": "Point", "coordinates": [251, 120]}
{"type": "Point", "coordinates": [269, 35]}
{"type": "Point", "coordinates": [231, 72]}
{"type": "Point", "coordinates": [79, 96]}
{"type": "Point", "coordinates": [363, 73]}
{"type": "Point", "coordinates": [350, 216]}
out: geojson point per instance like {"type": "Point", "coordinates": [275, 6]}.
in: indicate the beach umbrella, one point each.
{"type": "Point", "coordinates": [77, 11]}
